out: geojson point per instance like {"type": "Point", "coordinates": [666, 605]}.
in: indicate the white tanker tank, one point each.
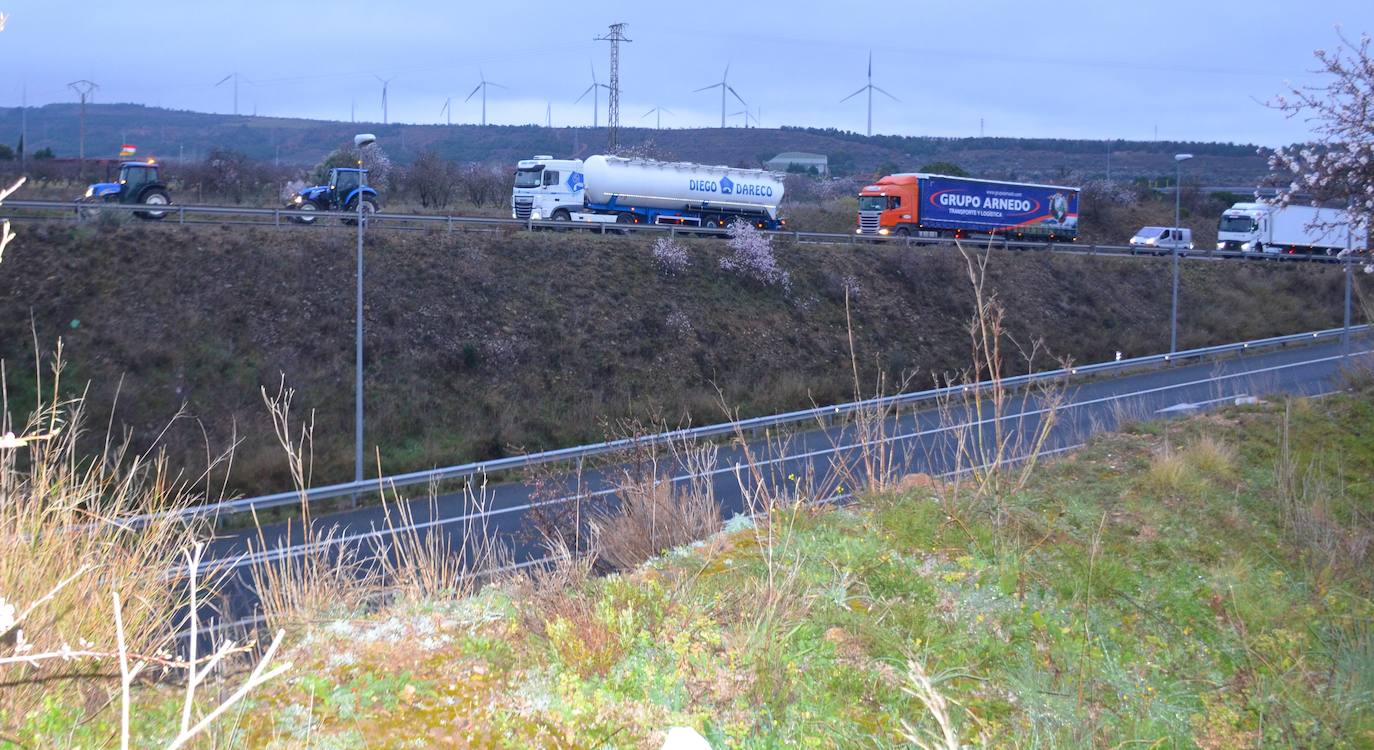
{"type": "Point", "coordinates": [617, 189]}
{"type": "Point", "coordinates": [673, 185]}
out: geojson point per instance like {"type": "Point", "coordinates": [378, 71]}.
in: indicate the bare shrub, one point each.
{"type": "Point", "coordinates": [670, 256]}
{"type": "Point", "coordinates": [652, 513]}
{"type": "Point", "coordinates": [432, 179]}
{"type": "Point", "coordinates": [996, 446]}
{"type": "Point", "coordinates": [481, 184]}
{"type": "Point", "coordinates": [294, 587]}
{"type": "Point", "coordinates": [752, 256]}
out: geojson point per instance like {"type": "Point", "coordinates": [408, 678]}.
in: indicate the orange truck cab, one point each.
{"type": "Point", "coordinates": [930, 205]}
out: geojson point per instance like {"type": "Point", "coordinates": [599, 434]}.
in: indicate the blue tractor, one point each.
{"type": "Point", "coordinates": [347, 189]}
{"type": "Point", "coordinates": [138, 184]}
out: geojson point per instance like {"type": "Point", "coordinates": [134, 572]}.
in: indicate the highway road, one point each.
{"type": "Point", "coordinates": [60, 211]}
{"type": "Point", "coordinates": [926, 440]}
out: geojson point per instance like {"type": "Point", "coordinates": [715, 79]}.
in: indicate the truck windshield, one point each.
{"type": "Point", "coordinates": [1237, 224]}
{"type": "Point", "coordinates": [528, 178]}
{"type": "Point", "coordinates": [872, 202]}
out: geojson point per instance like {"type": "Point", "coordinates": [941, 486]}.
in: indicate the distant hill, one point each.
{"type": "Point", "coordinates": [170, 134]}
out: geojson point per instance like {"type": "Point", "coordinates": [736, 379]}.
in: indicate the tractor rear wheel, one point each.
{"type": "Point", "coordinates": [155, 197]}
{"type": "Point", "coordinates": [369, 207]}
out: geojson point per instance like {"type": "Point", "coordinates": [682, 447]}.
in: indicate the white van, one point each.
{"type": "Point", "coordinates": [1160, 240]}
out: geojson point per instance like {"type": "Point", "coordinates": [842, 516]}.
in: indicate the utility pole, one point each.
{"type": "Point", "coordinates": [85, 89]}
{"type": "Point", "coordinates": [615, 36]}
{"type": "Point", "coordinates": [23, 124]}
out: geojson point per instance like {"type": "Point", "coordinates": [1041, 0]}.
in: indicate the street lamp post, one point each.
{"type": "Point", "coordinates": [360, 141]}
{"type": "Point", "coordinates": [1178, 203]}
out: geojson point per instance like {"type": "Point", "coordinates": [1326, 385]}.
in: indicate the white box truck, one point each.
{"type": "Point", "coordinates": [613, 189]}
{"type": "Point", "coordinates": [1273, 228]}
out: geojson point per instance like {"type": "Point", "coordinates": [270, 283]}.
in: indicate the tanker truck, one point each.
{"type": "Point", "coordinates": [617, 190]}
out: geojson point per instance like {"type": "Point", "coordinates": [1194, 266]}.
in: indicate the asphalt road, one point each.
{"type": "Point", "coordinates": [823, 459]}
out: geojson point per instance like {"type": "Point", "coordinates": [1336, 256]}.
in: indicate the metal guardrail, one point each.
{"type": "Point", "coordinates": [573, 454]}
{"type": "Point", "coordinates": [279, 216]}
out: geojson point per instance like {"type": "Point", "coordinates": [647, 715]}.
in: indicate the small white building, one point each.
{"type": "Point", "coordinates": [799, 161]}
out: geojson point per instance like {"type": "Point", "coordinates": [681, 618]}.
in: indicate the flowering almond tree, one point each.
{"type": "Point", "coordinates": [1339, 165]}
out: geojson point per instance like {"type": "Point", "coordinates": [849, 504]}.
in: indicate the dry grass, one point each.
{"type": "Point", "coordinates": [421, 564]}
{"type": "Point", "coordinates": [95, 567]}
{"type": "Point", "coordinates": [325, 577]}
{"type": "Point", "coordinates": [999, 434]}
{"type": "Point", "coordinates": [1212, 458]}
{"type": "Point", "coordinates": [66, 545]}
{"type": "Point", "coordinates": [651, 513]}
{"type": "Point", "coordinates": [1169, 473]}
{"type": "Point", "coordinates": [1306, 496]}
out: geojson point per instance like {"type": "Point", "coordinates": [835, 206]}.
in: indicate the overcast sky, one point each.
{"type": "Point", "coordinates": [1196, 70]}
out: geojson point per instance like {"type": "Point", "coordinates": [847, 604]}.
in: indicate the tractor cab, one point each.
{"type": "Point", "coordinates": [347, 187]}
{"type": "Point", "coordinates": [138, 182]}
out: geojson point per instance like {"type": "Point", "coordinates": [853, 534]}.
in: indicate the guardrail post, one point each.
{"type": "Point", "coordinates": [181, 215]}
{"type": "Point", "coordinates": [450, 225]}
{"type": "Point", "coordinates": [1345, 334]}
{"type": "Point", "coordinates": [276, 217]}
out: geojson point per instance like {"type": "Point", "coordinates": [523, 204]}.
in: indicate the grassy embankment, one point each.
{"type": "Point", "coordinates": [1199, 583]}
{"type": "Point", "coordinates": [483, 344]}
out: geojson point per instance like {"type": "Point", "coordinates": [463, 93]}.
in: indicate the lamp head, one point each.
{"type": "Point", "coordinates": [1182, 157]}
{"type": "Point", "coordinates": [364, 139]}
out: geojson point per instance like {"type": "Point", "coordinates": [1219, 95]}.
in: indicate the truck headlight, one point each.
{"type": "Point", "coordinates": [858, 231]}
{"type": "Point", "coordinates": [1221, 245]}
{"type": "Point", "coordinates": [535, 215]}
{"type": "Point", "coordinates": [90, 191]}
{"type": "Point", "coordinates": [884, 231]}
{"type": "Point", "coordinates": [297, 199]}
{"type": "Point", "coordinates": [1246, 245]}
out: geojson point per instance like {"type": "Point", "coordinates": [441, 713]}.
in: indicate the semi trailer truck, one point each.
{"type": "Point", "coordinates": [612, 189]}
{"type": "Point", "coordinates": [1292, 230]}
{"type": "Point", "coordinates": [931, 205]}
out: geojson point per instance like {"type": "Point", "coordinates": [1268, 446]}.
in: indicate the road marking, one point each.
{"type": "Point", "coordinates": [277, 553]}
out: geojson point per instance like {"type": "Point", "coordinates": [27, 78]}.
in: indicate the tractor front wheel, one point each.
{"type": "Point", "coordinates": [154, 197]}
{"type": "Point", "coordinates": [308, 207]}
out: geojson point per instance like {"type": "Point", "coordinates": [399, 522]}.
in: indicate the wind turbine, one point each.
{"type": "Point", "coordinates": [548, 114]}
{"type": "Point", "coordinates": [870, 88]}
{"type": "Point", "coordinates": [658, 119]}
{"type": "Point", "coordinates": [236, 77]}
{"type": "Point", "coordinates": [595, 91]}
{"type": "Point", "coordinates": [747, 117]}
{"type": "Point", "coordinates": [385, 82]}
{"type": "Point", "coordinates": [447, 110]}
{"type": "Point", "coordinates": [483, 88]}
{"type": "Point", "coordinates": [724, 86]}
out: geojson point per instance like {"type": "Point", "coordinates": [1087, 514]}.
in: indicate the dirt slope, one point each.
{"type": "Point", "coordinates": [481, 344]}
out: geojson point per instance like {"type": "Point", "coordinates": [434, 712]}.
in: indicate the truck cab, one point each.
{"type": "Point", "coordinates": [888, 207]}
{"type": "Point", "coordinates": [548, 189]}
{"type": "Point", "coordinates": [1244, 228]}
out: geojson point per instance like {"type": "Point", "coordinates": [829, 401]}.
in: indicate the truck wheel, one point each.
{"type": "Point", "coordinates": [903, 232]}
{"type": "Point", "coordinates": [156, 197]}
{"type": "Point", "coordinates": [561, 216]}
{"type": "Point", "coordinates": [710, 224]}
